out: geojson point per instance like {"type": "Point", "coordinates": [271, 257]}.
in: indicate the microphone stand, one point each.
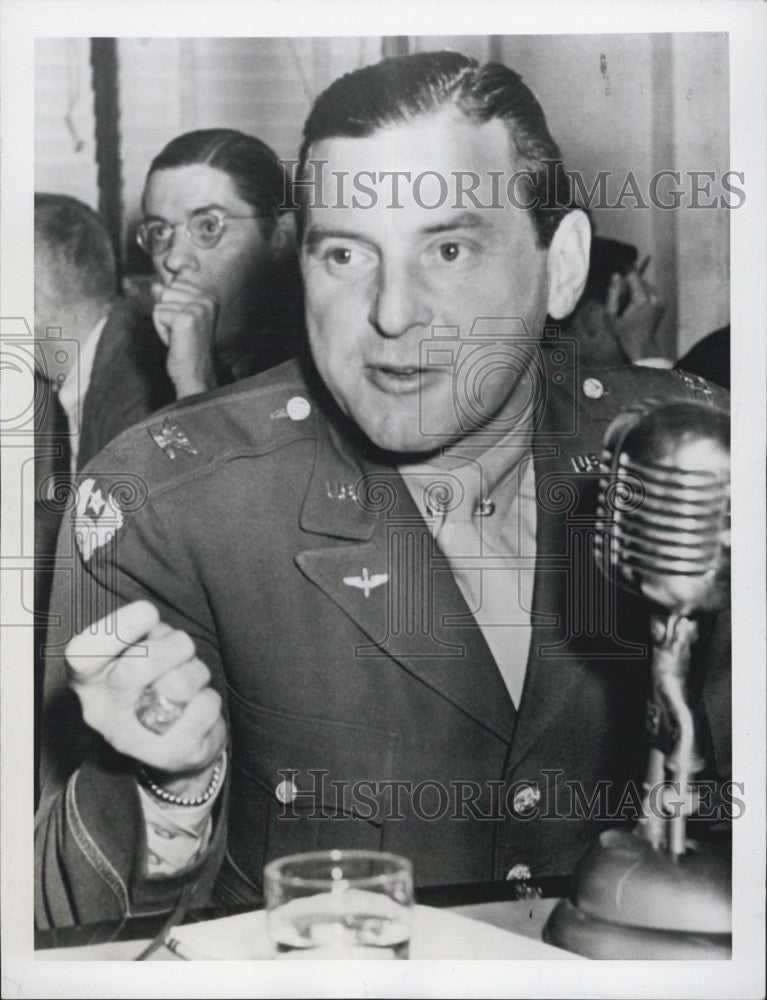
{"type": "Point", "coordinates": [669, 717]}
{"type": "Point", "coordinates": [651, 892]}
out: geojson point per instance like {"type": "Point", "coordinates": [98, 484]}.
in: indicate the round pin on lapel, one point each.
{"type": "Point", "coordinates": [298, 408]}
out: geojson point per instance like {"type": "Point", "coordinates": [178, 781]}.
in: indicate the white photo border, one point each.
{"type": "Point", "coordinates": [746, 23]}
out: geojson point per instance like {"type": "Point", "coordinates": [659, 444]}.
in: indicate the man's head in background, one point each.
{"type": "Point", "coordinates": [75, 275]}
{"type": "Point", "coordinates": [387, 272]}
{"type": "Point", "coordinates": [211, 206]}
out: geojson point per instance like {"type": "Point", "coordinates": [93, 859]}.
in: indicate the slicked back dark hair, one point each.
{"type": "Point", "coordinates": [395, 91]}
{"type": "Point", "coordinates": [253, 166]}
{"type": "Point", "coordinates": [73, 245]}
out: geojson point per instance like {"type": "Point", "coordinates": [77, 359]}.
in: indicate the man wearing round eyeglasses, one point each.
{"type": "Point", "coordinates": [204, 228]}
{"type": "Point", "coordinates": [226, 298]}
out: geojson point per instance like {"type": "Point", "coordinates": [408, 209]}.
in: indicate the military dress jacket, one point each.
{"type": "Point", "coordinates": [364, 707]}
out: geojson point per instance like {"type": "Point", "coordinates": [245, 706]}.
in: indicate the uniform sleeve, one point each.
{"type": "Point", "coordinates": [90, 834]}
{"type": "Point", "coordinates": [91, 850]}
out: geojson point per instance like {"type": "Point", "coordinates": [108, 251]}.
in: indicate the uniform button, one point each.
{"type": "Point", "coordinates": [286, 791]}
{"type": "Point", "coordinates": [593, 388]}
{"type": "Point", "coordinates": [298, 408]}
{"type": "Point", "coordinates": [518, 872]}
{"type": "Point", "coordinates": [526, 799]}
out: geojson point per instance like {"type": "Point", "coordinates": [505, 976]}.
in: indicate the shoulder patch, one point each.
{"type": "Point", "coordinates": [100, 506]}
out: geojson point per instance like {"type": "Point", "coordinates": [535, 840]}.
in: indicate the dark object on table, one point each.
{"type": "Point", "coordinates": [710, 358]}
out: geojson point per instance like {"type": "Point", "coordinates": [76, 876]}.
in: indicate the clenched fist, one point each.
{"type": "Point", "coordinates": [130, 659]}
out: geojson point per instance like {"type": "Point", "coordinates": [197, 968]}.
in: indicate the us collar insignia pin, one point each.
{"type": "Point", "coordinates": [586, 463]}
{"type": "Point", "coordinates": [340, 491]}
{"type": "Point", "coordinates": [172, 438]}
{"type": "Point", "coordinates": [366, 582]}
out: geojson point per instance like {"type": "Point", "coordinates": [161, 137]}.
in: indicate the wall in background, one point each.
{"type": "Point", "coordinates": [65, 146]}
{"type": "Point", "coordinates": [700, 86]}
{"type": "Point", "coordinates": [645, 103]}
{"type": "Point", "coordinates": [613, 102]}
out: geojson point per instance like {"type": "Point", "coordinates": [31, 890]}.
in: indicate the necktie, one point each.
{"type": "Point", "coordinates": [493, 565]}
{"type": "Point", "coordinates": [52, 440]}
{"type": "Point", "coordinates": [52, 449]}
{"type": "Point", "coordinates": [52, 477]}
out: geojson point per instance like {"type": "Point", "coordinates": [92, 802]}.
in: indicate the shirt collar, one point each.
{"type": "Point", "coordinates": [472, 472]}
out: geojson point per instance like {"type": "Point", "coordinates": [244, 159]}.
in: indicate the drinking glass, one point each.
{"type": "Point", "coordinates": [339, 904]}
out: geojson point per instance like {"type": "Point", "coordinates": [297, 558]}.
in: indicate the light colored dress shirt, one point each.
{"type": "Point", "coordinates": [491, 556]}
{"type": "Point", "coordinates": [73, 390]}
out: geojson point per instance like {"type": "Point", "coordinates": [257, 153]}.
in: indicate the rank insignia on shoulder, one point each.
{"type": "Point", "coordinates": [97, 518]}
{"type": "Point", "coordinates": [171, 438]}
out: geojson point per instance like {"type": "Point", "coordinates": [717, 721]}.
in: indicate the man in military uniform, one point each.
{"type": "Point", "coordinates": [349, 603]}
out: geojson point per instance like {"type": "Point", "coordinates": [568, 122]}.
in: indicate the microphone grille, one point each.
{"type": "Point", "coordinates": [663, 516]}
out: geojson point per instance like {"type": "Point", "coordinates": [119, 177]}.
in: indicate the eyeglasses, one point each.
{"type": "Point", "coordinates": [204, 229]}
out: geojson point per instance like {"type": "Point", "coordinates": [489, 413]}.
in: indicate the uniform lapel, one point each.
{"type": "Point", "coordinates": [554, 669]}
{"type": "Point", "coordinates": [386, 573]}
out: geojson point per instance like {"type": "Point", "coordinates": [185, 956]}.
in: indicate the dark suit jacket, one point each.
{"type": "Point", "coordinates": [128, 380]}
{"type": "Point", "coordinates": [247, 540]}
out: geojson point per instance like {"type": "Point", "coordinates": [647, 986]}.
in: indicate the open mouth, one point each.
{"type": "Point", "coordinates": [398, 379]}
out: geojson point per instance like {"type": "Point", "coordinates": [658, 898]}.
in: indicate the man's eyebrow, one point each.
{"type": "Point", "coordinates": [316, 234]}
{"type": "Point", "coordinates": [466, 220]}
{"type": "Point", "coordinates": [214, 207]}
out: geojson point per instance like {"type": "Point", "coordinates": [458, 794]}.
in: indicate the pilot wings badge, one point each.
{"type": "Point", "coordinates": [366, 582]}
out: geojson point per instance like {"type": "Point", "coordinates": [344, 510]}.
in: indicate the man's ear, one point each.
{"type": "Point", "coordinates": [568, 263]}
